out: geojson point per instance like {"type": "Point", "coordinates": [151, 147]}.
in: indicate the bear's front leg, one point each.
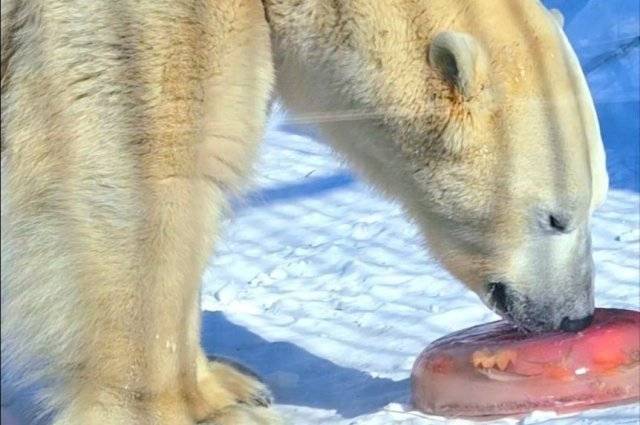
{"type": "Point", "coordinates": [144, 364]}
{"type": "Point", "coordinates": [120, 144]}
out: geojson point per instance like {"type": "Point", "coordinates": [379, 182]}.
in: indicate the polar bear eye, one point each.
{"type": "Point", "coordinates": [557, 223]}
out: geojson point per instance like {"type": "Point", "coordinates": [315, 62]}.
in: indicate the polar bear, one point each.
{"type": "Point", "coordinates": [127, 124]}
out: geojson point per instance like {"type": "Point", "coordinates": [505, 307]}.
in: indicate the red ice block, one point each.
{"type": "Point", "coordinates": [493, 370]}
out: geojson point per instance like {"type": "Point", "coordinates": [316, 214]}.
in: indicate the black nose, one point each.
{"type": "Point", "coordinates": [575, 325]}
{"type": "Point", "coordinates": [498, 292]}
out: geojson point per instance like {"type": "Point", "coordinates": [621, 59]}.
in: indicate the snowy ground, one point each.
{"type": "Point", "coordinates": [324, 289]}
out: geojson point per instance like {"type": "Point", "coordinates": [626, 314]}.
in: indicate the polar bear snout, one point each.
{"type": "Point", "coordinates": [545, 284]}
{"type": "Point", "coordinates": [569, 310]}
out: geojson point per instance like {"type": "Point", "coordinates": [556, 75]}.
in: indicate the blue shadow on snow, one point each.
{"type": "Point", "coordinates": [304, 188]}
{"type": "Point", "coordinates": [295, 376]}
{"type": "Point", "coordinates": [298, 377]}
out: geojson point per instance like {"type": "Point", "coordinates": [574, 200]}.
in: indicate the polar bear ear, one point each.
{"type": "Point", "coordinates": [460, 59]}
{"type": "Point", "coordinates": [558, 16]}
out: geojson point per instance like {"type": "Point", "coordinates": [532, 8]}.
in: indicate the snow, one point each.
{"type": "Point", "coordinates": [329, 294]}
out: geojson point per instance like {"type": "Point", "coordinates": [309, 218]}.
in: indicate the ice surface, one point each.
{"type": "Point", "coordinates": [495, 370]}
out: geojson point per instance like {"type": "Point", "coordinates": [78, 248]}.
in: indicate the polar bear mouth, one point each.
{"type": "Point", "coordinates": [523, 313]}
{"type": "Point", "coordinates": [514, 307]}
{"type": "Point", "coordinates": [498, 299]}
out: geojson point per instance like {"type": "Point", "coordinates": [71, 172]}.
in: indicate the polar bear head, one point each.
{"type": "Point", "coordinates": [477, 117]}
